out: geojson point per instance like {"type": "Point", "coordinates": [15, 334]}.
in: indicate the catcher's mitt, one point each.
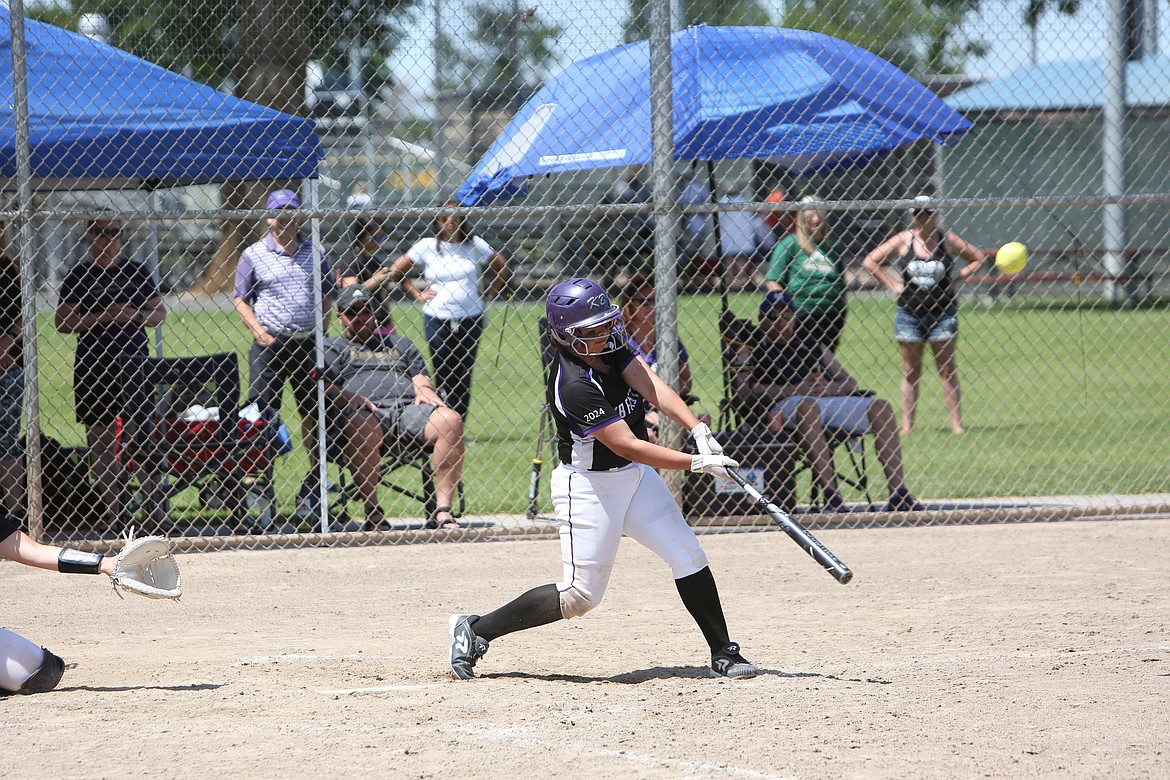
{"type": "Point", "coordinates": [146, 567]}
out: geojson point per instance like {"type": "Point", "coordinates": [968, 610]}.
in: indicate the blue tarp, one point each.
{"type": "Point", "coordinates": [806, 101]}
{"type": "Point", "coordinates": [102, 118]}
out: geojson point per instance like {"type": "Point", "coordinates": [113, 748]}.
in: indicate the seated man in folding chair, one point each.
{"type": "Point", "coordinates": [386, 397]}
{"type": "Point", "coordinates": [804, 384]}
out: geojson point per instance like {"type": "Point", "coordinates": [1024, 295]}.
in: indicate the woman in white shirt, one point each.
{"type": "Point", "coordinates": [452, 265]}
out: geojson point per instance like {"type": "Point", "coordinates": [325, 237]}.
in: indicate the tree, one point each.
{"type": "Point", "coordinates": [917, 36]}
{"type": "Point", "coordinates": [729, 12]}
{"type": "Point", "coordinates": [202, 39]}
{"type": "Point", "coordinates": [509, 47]}
{"type": "Point", "coordinates": [256, 49]}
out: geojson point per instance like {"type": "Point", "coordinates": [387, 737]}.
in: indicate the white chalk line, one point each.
{"type": "Point", "coordinates": [379, 689]}
{"type": "Point", "coordinates": [1037, 655]}
{"type": "Point", "coordinates": [523, 736]}
{"type": "Point", "coordinates": [286, 657]}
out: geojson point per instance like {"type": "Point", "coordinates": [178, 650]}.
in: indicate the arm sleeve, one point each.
{"type": "Point", "coordinates": [328, 280]}
{"type": "Point", "coordinates": [146, 284]}
{"type": "Point", "coordinates": [334, 358]}
{"type": "Point", "coordinates": [415, 364]}
{"type": "Point", "coordinates": [8, 526]}
{"type": "Point", "coordinates": [244, 281]}
{"type": "Point", "coordinates": [586, 408]}
{"type": "Point", "coordinates": [68, 292]}
{"type": "Point", "coordinates": [417, 253]}
{"type": "Point", "coordinates": [778, 265]}
{"type": "Point", "coordinates": [483, 251]}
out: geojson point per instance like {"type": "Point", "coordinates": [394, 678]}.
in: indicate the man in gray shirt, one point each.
{"type": "Point", "coordinates": [275, 299]}
{"type": "Point", "coordinates": [382, 384]}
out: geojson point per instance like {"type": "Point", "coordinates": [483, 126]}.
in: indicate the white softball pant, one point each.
{"type": "Point", "coordinates": [595, 509]}
{"type": "Point", "coordinates": [19, 660]}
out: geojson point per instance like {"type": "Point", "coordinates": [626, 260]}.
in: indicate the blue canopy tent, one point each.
{"type": "Point", "coordinates": [100, 118]}
{"type": "Point", "coordinates": [803, 100]}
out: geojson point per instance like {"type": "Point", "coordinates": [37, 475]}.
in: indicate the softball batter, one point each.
{"type": "Point", "coordinates": [606, 486]}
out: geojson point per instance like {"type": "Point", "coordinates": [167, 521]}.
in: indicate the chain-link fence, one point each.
{"type": "Point", "coordinates": [226, 202]}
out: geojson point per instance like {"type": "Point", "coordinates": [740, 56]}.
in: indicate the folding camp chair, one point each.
{"type": "Point", "coordinates": [399, 462]}
{"type": "Point", "coordinates": [739, 410]}
{"type": "Point", "coordinates": [181, 428]}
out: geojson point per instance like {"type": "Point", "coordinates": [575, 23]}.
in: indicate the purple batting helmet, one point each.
{"type": "Point", "coordinates": [582, 303]}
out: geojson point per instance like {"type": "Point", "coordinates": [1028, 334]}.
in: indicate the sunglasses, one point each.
{"type": "Point", "coordinates": [778, 314]}
{"type": "Point", "coordinates": [357, 311]}
{"type": "Point", "coordinates": [105, 232]}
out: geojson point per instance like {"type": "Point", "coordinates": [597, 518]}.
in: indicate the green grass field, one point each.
{"type": "Point", "coordinates": [1057, 400]}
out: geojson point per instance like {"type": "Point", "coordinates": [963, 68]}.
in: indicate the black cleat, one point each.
{"type": "Point", "coordinates": [729, 663]}
{"type": "Point", "coordinates": [466, 647]}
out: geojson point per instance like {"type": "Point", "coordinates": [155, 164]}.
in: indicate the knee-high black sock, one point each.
{"type": "Point", "coordinates": [535, 608]}
{"type": "Point", "coordinates": [701, 598]}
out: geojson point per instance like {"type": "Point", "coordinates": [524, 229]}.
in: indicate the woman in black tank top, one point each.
{"type": "Point", "coordinates": [917, 265]}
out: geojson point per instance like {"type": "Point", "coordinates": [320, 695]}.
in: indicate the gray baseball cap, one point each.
{"type": "Point", "coordinates": [352, 297]}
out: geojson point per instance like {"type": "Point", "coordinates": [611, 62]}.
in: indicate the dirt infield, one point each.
{"type": "Point", "coordinates": [1038, 650]}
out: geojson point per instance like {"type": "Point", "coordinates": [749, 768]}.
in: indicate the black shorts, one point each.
{"type": "Point", "coordinates": [97, 397]}
{"type": "Point", "coordinates": [405, 424]}
{"type": "Point", "coordinates": [402, 426]}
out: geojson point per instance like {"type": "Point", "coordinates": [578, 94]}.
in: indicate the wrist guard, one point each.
{"type": "Point", "coordinates": [78, 562]}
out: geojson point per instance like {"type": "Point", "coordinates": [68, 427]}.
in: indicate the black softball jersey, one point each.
{"type": "Point", "coordinates": [584, 399]}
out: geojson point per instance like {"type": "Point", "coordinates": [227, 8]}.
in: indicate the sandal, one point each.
{"type": "Point", "coordinates": [376, 521]}
{"type": "Point", "coordinates": [446, 523]}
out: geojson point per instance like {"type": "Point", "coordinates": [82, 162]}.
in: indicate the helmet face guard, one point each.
{"type": "Point", "coordinates": [579, 304]}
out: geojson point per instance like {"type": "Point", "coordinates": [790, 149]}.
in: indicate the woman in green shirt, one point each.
{"type": "Point", "coordinates": [813, 274]}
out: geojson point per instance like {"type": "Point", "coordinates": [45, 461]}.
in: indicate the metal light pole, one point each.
{"type": "Point", "coordinates": [438, 133]}
{"type": "Point", "coordinates": [1113, 152]}
{"type": "Point", "coordinates": [356, 71]}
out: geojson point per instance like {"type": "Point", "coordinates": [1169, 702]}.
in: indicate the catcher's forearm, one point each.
{"type": "Point", "coordinates": [78, 562]}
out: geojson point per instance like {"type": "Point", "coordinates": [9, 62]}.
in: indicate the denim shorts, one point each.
{"type": "Point", "coordinates": [11, 404]}
{"type": "Point", "coordinates": [846, 413]}
{"type": "Point", "coordinates": [912, 329]}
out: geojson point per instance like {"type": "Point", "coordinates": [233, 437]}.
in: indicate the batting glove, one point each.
{"type": "Point", "coordinates": [716, 465]}
{"type": "Point", "coordinates": [705, 441]}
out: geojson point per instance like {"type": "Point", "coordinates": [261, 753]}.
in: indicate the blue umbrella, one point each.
{"type": "Point", "coordinates": [803, 100]}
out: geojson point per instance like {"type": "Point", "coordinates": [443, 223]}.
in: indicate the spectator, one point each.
{"type": "Point", "coordinates": [811, 271]}
{"type": "Point", "coordinates": [383, 384]}
{"type": "Point", "coordinates": [26, 668]}
{"type": "Point", "coordinates": [739, 236]}
{"type": "Point", "coordinates": [638, 301]}
{"type": "Point", "coordinates": [108, 300]}
{"type": "Point", "coordinates": [274, 297]}
{"type": "Point", "coordinates": [363, 263]}
{"type": "Point", "coordinates": [11, 380]}
{"type": "Point", "coordinates": [802, 383]}
{"type": "Point", "coordinates": [452, 264]}
{"type": "Point", "coordinates": [922, 259]}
